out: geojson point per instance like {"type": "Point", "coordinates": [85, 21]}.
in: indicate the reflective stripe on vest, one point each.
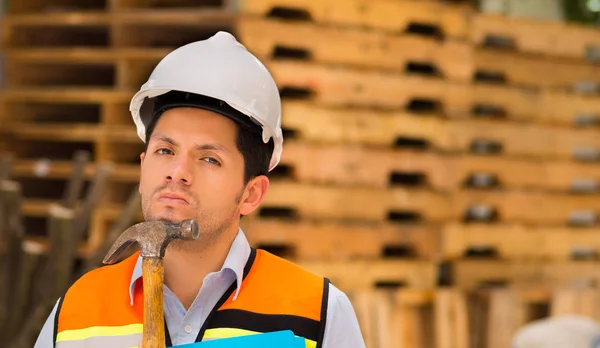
{"type": "Point", "coordinates": [101, 337]}
{"type": "Point", "coordinates": [96, 311]}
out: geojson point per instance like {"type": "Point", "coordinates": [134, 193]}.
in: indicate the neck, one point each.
{"type": "Point", "coordinates": [186, 267]}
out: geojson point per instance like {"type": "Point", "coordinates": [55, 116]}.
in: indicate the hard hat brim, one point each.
{"type": "Point", "coordinates": [176, 99]}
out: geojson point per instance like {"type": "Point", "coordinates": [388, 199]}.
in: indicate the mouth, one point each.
{"type": "Point", "coordinates": [173, 198]}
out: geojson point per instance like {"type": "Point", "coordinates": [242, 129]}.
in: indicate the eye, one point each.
{"type": "Point", "coordinates": [211, 161]}
{"type": "Point", "coordinates": [164, 151]}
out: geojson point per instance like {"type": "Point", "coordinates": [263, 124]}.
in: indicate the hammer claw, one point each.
{"type": "Point", "coordinates": [153, 238]}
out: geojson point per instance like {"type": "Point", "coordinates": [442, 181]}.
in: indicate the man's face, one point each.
{"type": "Point", "coordinates": [193, 170]}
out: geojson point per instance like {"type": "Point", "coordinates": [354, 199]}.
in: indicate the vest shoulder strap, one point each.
{"type": "Point", "coordinates": [276, 295]}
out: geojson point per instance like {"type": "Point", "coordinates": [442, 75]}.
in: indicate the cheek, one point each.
{"type": "Point", "coordinates": [220, 188]}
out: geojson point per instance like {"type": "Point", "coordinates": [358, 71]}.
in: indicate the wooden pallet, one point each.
{"type": "Point", "coordinates": [499, 66]}
{"type": "Point", "coordinates": [392, 16]}
{"type": "Point", "coordinates": [518, 242]}
{"type": "Point", "coordinates": [538, 37]}
{"type": "Point", "coordinates": [354, 47]}
{"type": "Point", "coordinates": [469, 274]}
{"type": "Point", "coordinates": [343, 86]}
{"type": "Point", "coordinates": [342, 241]}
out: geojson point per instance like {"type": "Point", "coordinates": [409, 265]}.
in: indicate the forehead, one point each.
{"type": "Point", "coordinates": [196, 123]}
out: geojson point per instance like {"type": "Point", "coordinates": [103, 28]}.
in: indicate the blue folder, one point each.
{"type": "Point", "coordinates": [279, 339]}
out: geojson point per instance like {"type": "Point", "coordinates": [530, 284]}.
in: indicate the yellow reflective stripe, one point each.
{"type": "Point", "coordinates": [227, 333]}
{"type": "Point", "coordinates": [95, 331]}
{"type": "Point", "coordinates": [212, 334]}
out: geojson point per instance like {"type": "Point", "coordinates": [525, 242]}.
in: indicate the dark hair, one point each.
{"type": "Point", "coordinates": [256, 153]}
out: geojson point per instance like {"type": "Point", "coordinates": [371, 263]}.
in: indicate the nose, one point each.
{"type": "Point", "coordinates": [180, 171]}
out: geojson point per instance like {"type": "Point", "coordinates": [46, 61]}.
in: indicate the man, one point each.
{"type": "Point", "coordinates": [210, 116]}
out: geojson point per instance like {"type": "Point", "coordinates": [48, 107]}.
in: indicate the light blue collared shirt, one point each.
{"type": "Point", "coordinates": [183, 325]}
{"type": "Point", "coordinates": [341, 329]}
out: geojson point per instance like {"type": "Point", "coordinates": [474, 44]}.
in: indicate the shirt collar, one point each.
{"type": "Point", "coordinates": [236, 260]}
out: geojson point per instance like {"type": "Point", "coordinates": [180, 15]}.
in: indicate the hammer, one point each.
{"type": "Point", "coordinates": [153, 238]}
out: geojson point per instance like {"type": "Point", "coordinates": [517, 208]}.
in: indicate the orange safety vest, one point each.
{"type": "Point", "coordinates": [276, 295]}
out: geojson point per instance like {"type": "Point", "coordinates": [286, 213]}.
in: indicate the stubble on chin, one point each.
{"type": "Point", "coordinates": [211, 227]}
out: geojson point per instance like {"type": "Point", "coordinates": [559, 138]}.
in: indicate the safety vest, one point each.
{"type": "Point", "coordinates": [275, 295]}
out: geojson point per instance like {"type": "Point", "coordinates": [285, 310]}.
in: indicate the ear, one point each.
{"type": "Point", "coordinates": [254, 194]}
{"type": "Point", "coordinates": [142, 157]}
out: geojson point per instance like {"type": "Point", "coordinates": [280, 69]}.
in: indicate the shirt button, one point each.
{"type": "Point", "coordinates": [188, 329]}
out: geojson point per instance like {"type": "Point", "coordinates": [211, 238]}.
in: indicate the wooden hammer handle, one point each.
{"type": "Point", "coordinates": [154, 320]}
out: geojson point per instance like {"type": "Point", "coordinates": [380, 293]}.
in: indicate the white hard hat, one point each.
{"type": "Point", "coordinates": [570, 331]}
{"type": "Point", "coordinates": [221, 69]}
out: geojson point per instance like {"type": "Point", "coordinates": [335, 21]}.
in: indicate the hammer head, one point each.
{"type": "Point", "coordinates": [153, 238]}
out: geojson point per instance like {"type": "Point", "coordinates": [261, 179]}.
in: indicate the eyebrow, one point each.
{"type": "Point", "coordinates": [214, 147]}
{"type": "Point", "coordinates": [165, 139]}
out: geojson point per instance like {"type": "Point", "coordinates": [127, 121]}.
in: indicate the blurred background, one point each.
{"type": "Point", "coordinates": [440, 164]}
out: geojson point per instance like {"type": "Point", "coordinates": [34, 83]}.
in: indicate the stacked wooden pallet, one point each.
{"type": "Point", "coordinates": [409, 145]}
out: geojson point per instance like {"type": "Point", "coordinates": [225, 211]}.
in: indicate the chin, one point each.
{"type": "Point", "coordinates": [170, 215]}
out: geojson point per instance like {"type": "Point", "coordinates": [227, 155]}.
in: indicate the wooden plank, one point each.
{"type": "Point", "coordinates": [451, 319]}
{"type": "Point", "coordinates": [22, 74]}
{"type": "Point", "coordinates": [508, 241]}
{"type": "Point", "coordinates": [198, 17]}
{"type": "Point", "coordinates": [552, 38]}
{"type": "Point", "coordinates": [326, 124]}
{"type": "Point", "coordinates": [473, 273]}
{"type": "Point", "coordinates": [504, 318]}
{"type": "Point", "coordinates": [393, 16]}
{"type": "Point", "coordinates": [327, 202]}
{"type": "Point", "coordinates": [60, 169]}
{"type": "Point", "coordinates": [33, 6]}
{"type": "Point", "coordinates": [351, 164]}
{"type": "Point", "coordinates": [363, 274]}
{"type": "Point", "coordinates": [57, 132]}
{"type": "Point", "coordinates": [360, 240]}
{"type": "Point", "coordinates": [516, 206]}
{"type": "Point", "coordinates": [566, 243]}
{"type": "Point", "coordinates": [321, 124]}
{"type": "Point", "coordinates": [87, 55]}
{"type": "Point", "coordinates": [534, 71]}
{"type": "Point", "coordinates": [565, 109]}
{"type": "Point", "coordinates": [65, 95]}
{"type": "Point", "coordinates": [513, 241]}
{"type": "Point", "coordinates": [343, 86]}
{"type": "Point", "coordinates": [394, 317]}
{"type": "Point", "coordinates": [575, 301]}
{"type": "Point", "coordinates": [354, 46]}
{"type": "Point", "coordinates": [356, 165]}
{"type": "Point", "coordinates": [169, 4]}
{"type": "Point", "coordinates": [68, 18]}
